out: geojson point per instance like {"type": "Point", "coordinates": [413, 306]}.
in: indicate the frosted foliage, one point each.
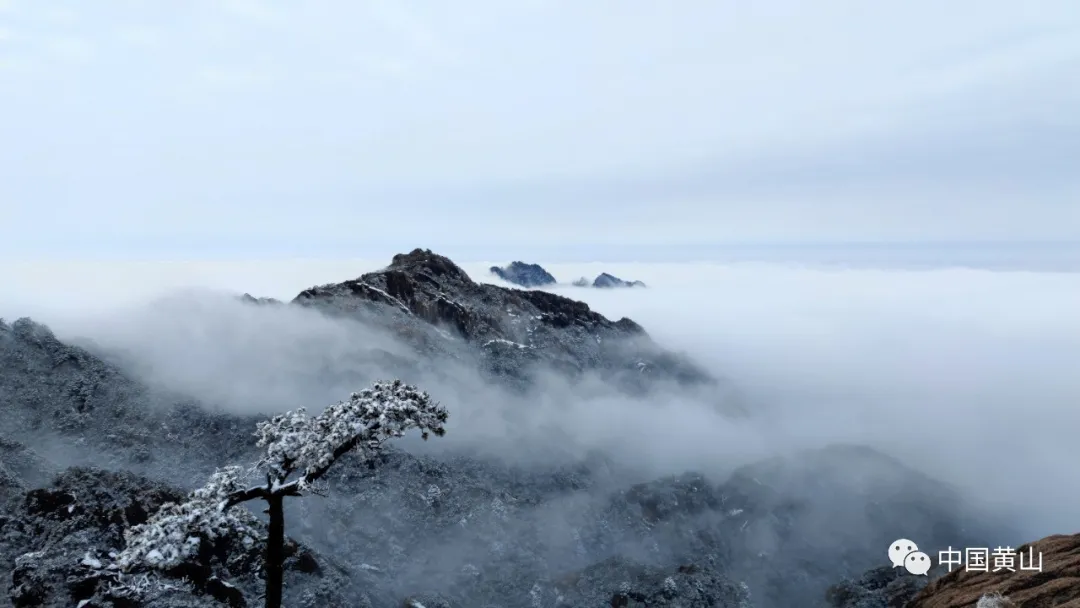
{"type": "Point", "coordinates": [296, 442]}
{"type": "Point", "coordinates": [174, 533]}
{"type": "Point", "coordinates": [994, 600]}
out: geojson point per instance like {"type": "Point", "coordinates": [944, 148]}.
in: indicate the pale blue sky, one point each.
{"type": "Point", "coordinates": [202, 128]}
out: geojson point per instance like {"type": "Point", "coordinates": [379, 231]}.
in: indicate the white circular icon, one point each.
{"type": "Point", "coordinates": [917, 562]}
{"type": "Point", "coordinates": [899, 550]}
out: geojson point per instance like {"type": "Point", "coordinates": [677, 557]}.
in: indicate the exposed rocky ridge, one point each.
{"type": "Point", "coordinates": [526, 275]}
{"type": "Point", "coordinates": [435, 306]}
{"type": "Point", "coordinates": [605, 281]}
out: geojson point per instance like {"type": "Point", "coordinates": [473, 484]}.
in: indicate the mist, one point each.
{"type": "Point", "coordinates": [965, 374]}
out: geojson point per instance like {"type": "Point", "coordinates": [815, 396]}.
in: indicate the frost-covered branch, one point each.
{"type": "Point", "coordinates": [175, 532]}
{"type": "Point", "coordinates": [297, 443]}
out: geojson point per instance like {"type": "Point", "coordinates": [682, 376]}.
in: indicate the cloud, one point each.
{"type": "Point", "coordinates": [18, 65]}
{"type": "Point", "coordinates": [803, 123]}
{"type": "Point", "coordinates": [141, 36]}
{"type": "Point", "coordinates": [964, 373]}
{"type": "Point", "coordinates": [418, 35]}
{"type": "Point", "coordinates": [70, 49]}
{"type": "Point", "coordinates": [255, 11]}
{"type": "Point", "coordinates": [60, 15]}
{"type": "Point", "coordinates": [236, 77]}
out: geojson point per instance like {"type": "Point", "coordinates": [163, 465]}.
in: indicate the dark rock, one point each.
{"type": "Point", "coordinates": [52, 503]}
{"type": "Point", "coordinates": [605, 281]}
{"type": "Point", "coordinates": [526, 275]}
{"type": "Point", "coordinates": [226, 593]}
{"type": "Point", "coordinates": [581, 282]}
{"type": "Point", "coordinates": [432, 304]}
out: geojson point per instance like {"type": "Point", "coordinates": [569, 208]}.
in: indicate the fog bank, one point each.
{"type": "Point", "coordinates": [967, 374]}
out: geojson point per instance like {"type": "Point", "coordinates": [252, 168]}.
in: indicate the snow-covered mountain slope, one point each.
{"type": "Point", "coordinates": [460, 527]}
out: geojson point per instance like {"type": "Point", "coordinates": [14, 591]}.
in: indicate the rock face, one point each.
{"type": "Point", "coordinates": [1057, 584]}
{"type": "Point", "coordinates": [435, 306]}
{"type": "Point", "coordinates": [606, 281]}
{"type": "Point", "coordinates": [526, 275]}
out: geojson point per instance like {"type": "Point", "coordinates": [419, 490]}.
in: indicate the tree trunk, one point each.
{"type": "Point", "coordinates": [275, 552]}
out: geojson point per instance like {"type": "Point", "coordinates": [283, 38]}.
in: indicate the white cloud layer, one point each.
{"type": "Point", "coordinates": [163, 129]}
{"type": "Point", "coordinates": [966, 373]}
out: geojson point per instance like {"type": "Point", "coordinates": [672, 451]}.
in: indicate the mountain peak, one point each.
{"type": "Point", "coordinates": [425, 259]}
{"type": "Point", "coordinates": [607, 281]}
{"type": "Point", "coordinates": [432, 303]}
{"type": "Point", "coordinates": [526, 275]}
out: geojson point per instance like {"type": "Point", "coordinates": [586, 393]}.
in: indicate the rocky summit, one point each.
{"type": "Point", "coordinates": [88, 449]}
{"type": "Point", "coordinates": [431, 303]}
{"type": "Point", "coordinates": [526, 275]}
{"type": "Point", "coordinates": [607, 281]}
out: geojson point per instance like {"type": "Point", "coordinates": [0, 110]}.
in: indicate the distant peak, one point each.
{"type": "Point", "coordinates": [605, 281]}
{"type": "Point", "coordinates": [438, 265]}
{"type": "Point", "coordinates": [526, 275]}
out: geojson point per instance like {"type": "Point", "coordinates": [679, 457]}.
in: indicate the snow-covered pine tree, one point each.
{"type": "Point", "coordinates": [299, 450]}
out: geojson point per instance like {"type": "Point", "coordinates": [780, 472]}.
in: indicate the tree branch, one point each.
{"type": "Point", "coordinates": [243, 496]}
{"type": "Point", "coordinates": [341, 450]}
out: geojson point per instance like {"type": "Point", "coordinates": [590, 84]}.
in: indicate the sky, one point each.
{"type": "Point", "coordinates": [211, 129]}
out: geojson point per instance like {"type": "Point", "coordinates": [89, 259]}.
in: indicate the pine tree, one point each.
{"type": "Point", "coordinates": [299, 450]}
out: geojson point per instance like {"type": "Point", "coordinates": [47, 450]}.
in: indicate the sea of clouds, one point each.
{"type": "Point", "coordinates": [965, 373]}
